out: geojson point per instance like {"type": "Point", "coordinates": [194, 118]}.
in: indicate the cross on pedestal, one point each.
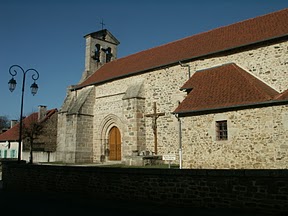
{"type": "Point", "coordinates": [154, 117]}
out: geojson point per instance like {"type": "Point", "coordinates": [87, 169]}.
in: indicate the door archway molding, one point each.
{"type": "Point", "coordinates": [107, 123]}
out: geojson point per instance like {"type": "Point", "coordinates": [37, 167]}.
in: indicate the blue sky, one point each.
{"type": "Point", "coordinates": [49, 36]}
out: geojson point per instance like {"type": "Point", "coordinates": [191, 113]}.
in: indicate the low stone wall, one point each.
{"type": "Point", "coordinates": [259, 190]}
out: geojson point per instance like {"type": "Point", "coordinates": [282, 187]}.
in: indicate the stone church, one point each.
{"type": "Point", "coordinates": [217, 99]}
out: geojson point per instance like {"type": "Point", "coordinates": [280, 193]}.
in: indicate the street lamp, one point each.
{"type": "Point", "coordinates": [12, 85]}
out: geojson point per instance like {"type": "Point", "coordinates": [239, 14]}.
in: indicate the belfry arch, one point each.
{"type": "Point", "coordinates": [111, 137]}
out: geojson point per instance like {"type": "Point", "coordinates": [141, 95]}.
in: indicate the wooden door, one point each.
{"type": "Point", "coordinates": [114, 144]}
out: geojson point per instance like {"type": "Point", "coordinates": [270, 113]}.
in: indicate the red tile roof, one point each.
{"type": "Point", "coordinates": [243, 33]}
{"type": "Point", "coordinates": [283, 96]}
{"type": "Point", "coordinates": [13, 133]}
{"type": "Point", "coordinates": [224, 86]}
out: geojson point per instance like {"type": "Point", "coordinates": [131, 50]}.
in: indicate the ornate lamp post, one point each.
{"type": "Point", "coordinates": [12, 85]}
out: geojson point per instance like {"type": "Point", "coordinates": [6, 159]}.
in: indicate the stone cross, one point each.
{"type": "Point", "coordinates": [154, 117]}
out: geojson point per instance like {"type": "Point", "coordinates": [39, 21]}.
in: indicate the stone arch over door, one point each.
{"type": "Point", "coordinates": [107, 127]}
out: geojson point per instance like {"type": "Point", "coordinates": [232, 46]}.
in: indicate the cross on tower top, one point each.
{"type": "Point", "coordinates": [102, 24]}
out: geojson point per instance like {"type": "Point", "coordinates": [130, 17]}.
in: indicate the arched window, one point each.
{"type": "Point", "coordinates": [96, 55]}
{"type": "Point", "coordinates": [108, 54]}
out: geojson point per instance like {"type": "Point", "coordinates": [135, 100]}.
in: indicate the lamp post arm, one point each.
{"type": "Point", "coordinates": [14, 72]}
{"type": "Point", "coordinates": [35, 76]}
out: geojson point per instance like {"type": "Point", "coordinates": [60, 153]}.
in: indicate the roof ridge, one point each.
{"type": "Point", "coordinates": [203, 32]}
{"type": "Point", "coordinates": [229, 86]}
{"type": "Point", "coordinates": [223, 38]}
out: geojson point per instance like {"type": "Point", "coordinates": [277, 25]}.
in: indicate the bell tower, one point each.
{"type": "Point", "coordinates": [101, 48]}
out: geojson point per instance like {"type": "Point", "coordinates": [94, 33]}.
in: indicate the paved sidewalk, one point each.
{"type": "Point", "coordinates": [39, 204]}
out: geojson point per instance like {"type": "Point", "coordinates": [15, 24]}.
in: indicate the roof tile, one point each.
{"type": "Point", "coordinates": [282, 96]}
{"type": "Point", "coordinates": [247, 32]}
{"type": "Point", "coordinates": [224, 86]}
{"type": "Point", "coordinates": [13, 133]}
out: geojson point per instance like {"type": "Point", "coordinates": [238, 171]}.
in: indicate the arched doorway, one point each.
{"type": "Point", "coordinates": [114, 144]}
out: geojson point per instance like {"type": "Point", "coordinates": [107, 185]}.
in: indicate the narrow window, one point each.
{"type": "Point", "coordinates": [5, 153]}
{"type": "Point", "coordinates": [108, 54]}
{"type": "Point", "coordinates": [96, 55]}
{"type": "Point", "coordinates": [221, 130]}
{"type": "Point", "coordinates": [13, 153]}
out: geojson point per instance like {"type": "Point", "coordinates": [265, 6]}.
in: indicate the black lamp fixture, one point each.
{"type": "Point", "coordinates": [12, 85]}
{"type": "Point", "coordinates": [34, 88]}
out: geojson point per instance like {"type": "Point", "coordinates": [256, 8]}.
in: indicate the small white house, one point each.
{"type": "Point", "coordinates": [9, 149]}
{"type": "Point", "coordinates": [44, 146]}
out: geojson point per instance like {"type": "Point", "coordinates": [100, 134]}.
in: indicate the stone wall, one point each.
{"type": "Point", "coordinates": [65, 138]}
{"type": "Point", "coordinates": [267, 61]}
{"type": "Point", "coordinates": [84, 129]}
{"type": "Point", "coordinates": [39, 156]}
{"type": "Point", "coordinates": [107, 113]}
{"type": "Point", "coordinates": [109, 101]}
{"type": "Point", "coordinates": [75, 127]}
{"type": "Point", "coordinates": [263, 191]}
{"type": "Point", "coordinates": [257, 139]}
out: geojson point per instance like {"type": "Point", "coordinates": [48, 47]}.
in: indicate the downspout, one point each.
{"type": "Point", "coordinates": [180, 138]}
{"type": "Point", "coordinates": [180, 142]}
{"type": "Point", "coordinates": [186, 65]}
{"type": "Point", "coordinates": [179, 120]}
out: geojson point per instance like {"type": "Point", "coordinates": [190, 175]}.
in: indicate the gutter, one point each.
{"type": "Point", "coordinates": [230, 108]}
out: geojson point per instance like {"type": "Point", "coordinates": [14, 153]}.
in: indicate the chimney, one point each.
{"type": "Point", "coordinates": [41, 112]}
{"type": "Point", "coordinates": [13, 123]}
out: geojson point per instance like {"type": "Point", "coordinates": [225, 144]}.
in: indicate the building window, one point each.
{"type": "Point", "coordinates": [5, 154]}
{"type": "Point", "coordinates": [221, 130]}
{"type": "Point", "coordinates": [13, 153]}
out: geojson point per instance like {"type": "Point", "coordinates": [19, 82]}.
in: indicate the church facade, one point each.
{"type": "Point", "coordinates": [217, 99]}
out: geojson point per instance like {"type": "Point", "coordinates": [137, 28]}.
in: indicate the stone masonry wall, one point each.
{"type": "Point", "coordinates": [84, 136]}
{"type": "Point", "coordinates": [107, 113]}
{"type": "Point", "coordinates": [262, 191]}
{"type": "Point", "coordinates": [257, 139]}
{"type": "Point", "coordinates": [109, 101]}
{"type": "Point", "coordinates": [133, 135]}
{"type": "Point", "coordinates": [267, 62]}
{"type": "Point", "coordinates": [66, 134]}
